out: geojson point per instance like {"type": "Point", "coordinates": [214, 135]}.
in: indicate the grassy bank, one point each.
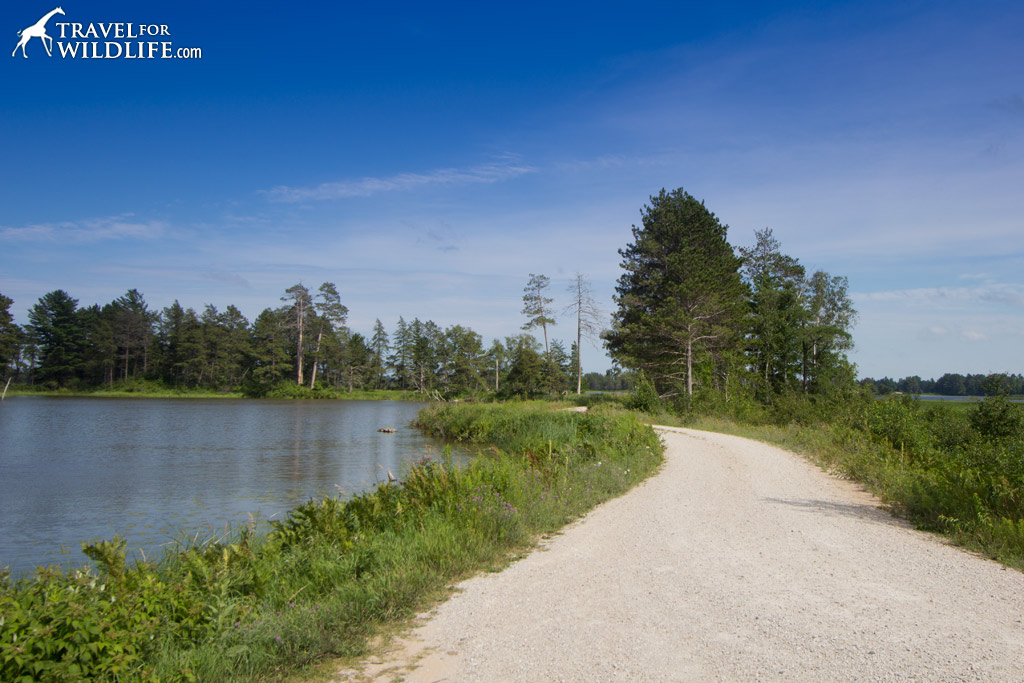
{"type": "Point", "coordinates": [333, 573]}
{"type": "Point", "coordinates": [285, 390]}
{"type": "Point", "coordinates": [949, 469]}
{"type": "Point", "coordinates": [142, 389]}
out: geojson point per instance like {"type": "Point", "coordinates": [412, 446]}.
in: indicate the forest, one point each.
{"type": "Point", "coordinates": [303, 344]}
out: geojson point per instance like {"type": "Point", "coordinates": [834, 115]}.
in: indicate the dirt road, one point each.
{"type": "Point", "coordinates": [738, 561]}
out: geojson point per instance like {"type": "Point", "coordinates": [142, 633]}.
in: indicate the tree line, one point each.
{"type": "Point", "coordinates": [703, 319]}
{"type": "Point", "coordinates": [303, 343]}
{"type": "Point", "coordinates": [949, 384]}
{"type": "Point", "coordinates": [695, 318]}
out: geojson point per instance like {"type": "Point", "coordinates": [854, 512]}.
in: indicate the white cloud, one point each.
{"type": "Point", "coordinates": [91, 230]}
{"type": "Point", "coordinates": [971, 335]}
{"type": "Point", "coordinates": [503, 169]}
{"type": "Point", "coordinates": [1006, 294]}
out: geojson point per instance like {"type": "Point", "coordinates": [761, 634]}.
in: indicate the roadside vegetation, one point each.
{"type": "Point", "coordinates": [952, 468]}
{"type": "Point", "coordinates": [258, 606]}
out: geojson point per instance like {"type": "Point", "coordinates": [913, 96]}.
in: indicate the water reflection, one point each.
{"type": "Point", "coordinates": [73, 469]}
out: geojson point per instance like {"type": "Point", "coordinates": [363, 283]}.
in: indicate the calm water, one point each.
{"type": "Point", "coordinates": [74, 469]}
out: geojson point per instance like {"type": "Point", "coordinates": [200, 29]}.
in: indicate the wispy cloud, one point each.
{"type": "Point", "coordinates": [971, 335]}
{"type": "Point", "coordinates": [224, 276]}
{"type": "Point", "coordinates": [999, 294]}
{"type": "Point", "coordinates": [91, 230]}
{"type": "Point", "coordinates": [1013, 104]}
{"type": "Point", "coordinates": [502, 169]}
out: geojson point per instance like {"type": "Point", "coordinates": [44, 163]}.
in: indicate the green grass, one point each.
{"type": "Point", "coordinates": [954, 471]}
{"type": "Point", "coordinates": [128, 390]}
{"type": "Point", "coordinates": [285, 390]}
{"type": "Point", "coordinates": [332, 574]}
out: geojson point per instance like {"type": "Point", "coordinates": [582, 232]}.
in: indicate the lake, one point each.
{"type": "Point", "coordinates": [75, 469]}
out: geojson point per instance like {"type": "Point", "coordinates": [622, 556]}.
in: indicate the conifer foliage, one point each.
{"type": "Point", "coordinates": [696, 316]}
{"type": "Point", "coordinates": [680, 300]}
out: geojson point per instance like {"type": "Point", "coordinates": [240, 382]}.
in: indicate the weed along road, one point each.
{"type": "Point", "coordinates": [737, 561]}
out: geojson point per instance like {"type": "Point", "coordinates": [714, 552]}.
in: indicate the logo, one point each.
{"type": "Point", "coordinates": [37, 30]}
{"type": "Point", "coordinates": [113, 40]}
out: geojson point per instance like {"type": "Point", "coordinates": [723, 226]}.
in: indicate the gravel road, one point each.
{"type": "Point", "coordinates": [738, 561]}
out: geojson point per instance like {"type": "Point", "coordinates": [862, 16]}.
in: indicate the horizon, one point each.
{"type": "Point", "coordinates": [428, 159]}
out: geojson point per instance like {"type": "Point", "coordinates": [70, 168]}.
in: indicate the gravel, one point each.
{"type": "Point", "coordinates": [737, 561]}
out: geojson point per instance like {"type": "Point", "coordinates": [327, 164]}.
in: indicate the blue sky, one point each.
{"type": "Point", "coordinates": [428, 157]}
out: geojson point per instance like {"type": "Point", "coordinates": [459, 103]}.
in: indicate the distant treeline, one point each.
{"type": "Point", "coordinates": [950, 384]}
{"type": "Point", "coordinates": [302, 344]}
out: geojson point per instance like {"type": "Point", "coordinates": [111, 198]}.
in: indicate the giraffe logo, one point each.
{"type": "Point", "coordinates": [37, 30]}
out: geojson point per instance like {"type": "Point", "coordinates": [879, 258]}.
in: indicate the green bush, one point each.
{"type": "Point", "coordinates": [644, 397]}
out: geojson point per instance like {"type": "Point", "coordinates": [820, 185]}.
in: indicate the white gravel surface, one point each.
{"type": "Point", "coordinates": [738, 561]}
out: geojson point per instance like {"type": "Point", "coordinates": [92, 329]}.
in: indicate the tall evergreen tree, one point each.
{"type": "Point", "coordinates": [331, 315]}
{"type": "Point", "coordinates": [236, 347]}
{"type": "Point", "coordinates": [357, 363]}
{"type": "Point", "coordinates": [379, 344]}
{"type": "Point", "coordinates": [55, 327]}
{"type": "Point", "coordinates": [271, 346]}
{"type": "Point", "coordinates": [100, 357]}
{"type": "Point", "coordinates": [179, 338]}
{"type": "Point", "coordinates": [300, 305]}
{"type": "Point", "coordinates": [680, 297]}
{"type": "Point", "coordinates": [10, 338]}
{"type": "Point", "coordinates": [537, 306]}
{"type": "Point", "coordinates": [402, 347]}
{"type": "Point", "coordinates": [132, 326]}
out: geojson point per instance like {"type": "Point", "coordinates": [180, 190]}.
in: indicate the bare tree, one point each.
{"type": "Point", "coordinates": [588, 319]}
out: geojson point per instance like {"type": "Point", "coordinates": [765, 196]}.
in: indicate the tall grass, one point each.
{"type": "Point", "coordinates": [334, 572]}
{"type": "Point", "coordinates": [955, 471]}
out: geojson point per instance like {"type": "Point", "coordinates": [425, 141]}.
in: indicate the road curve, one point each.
{"type": "Point", "coordinates": [737, 561]}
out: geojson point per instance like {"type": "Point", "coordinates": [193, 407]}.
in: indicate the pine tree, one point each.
{"type": "Point", "coordinates": [402, 348]}
{"type": "Point", "coordinates": [10, 338]}
{"type": "Point", "coordinates": [680, 297]}
{"type": "Point", "coordinates": [330, 316]}
{"type": "Point", "coordinates": [379, 343]}
{"type": "Point", "coordinates": [537, 306]}
{"type": "Point", "coordinates": [56, 329]}
{"type": "Point", "coordinates": [301, 302]}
